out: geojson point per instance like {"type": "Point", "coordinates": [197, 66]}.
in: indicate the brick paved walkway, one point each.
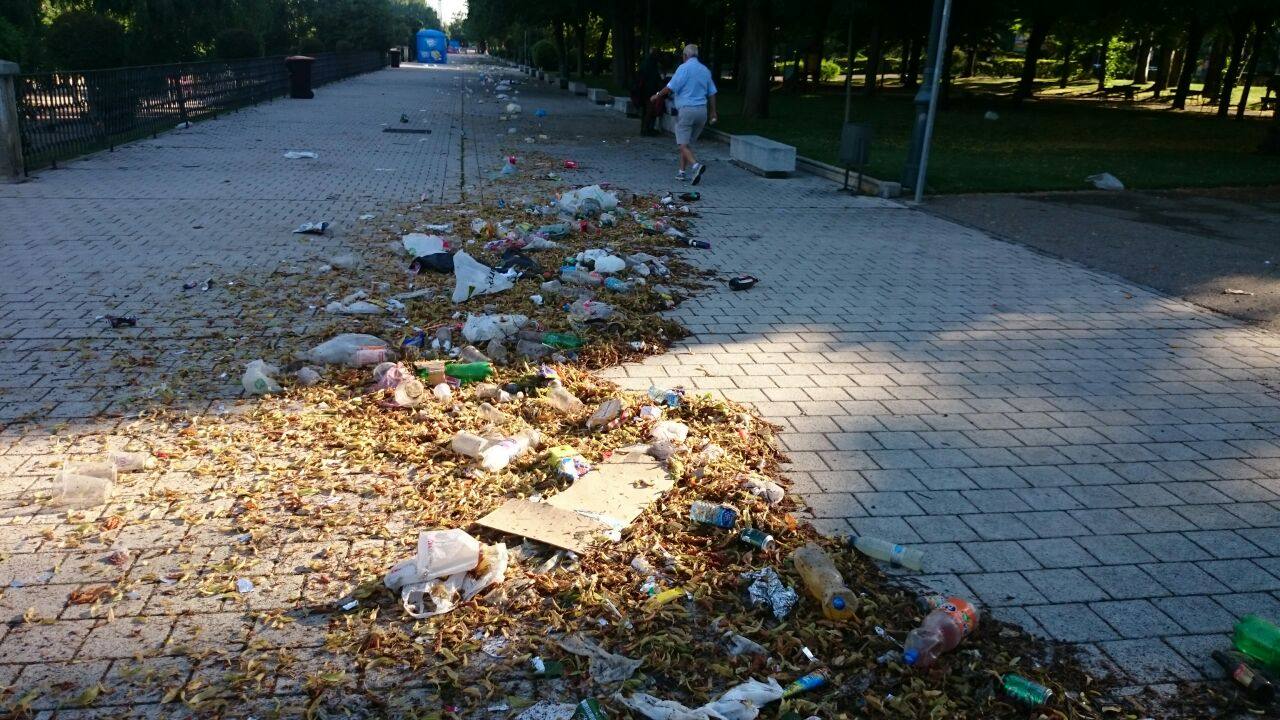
{"type": "Point", "coordinates": [1090, 459]}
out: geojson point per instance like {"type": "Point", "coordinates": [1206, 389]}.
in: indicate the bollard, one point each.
{"type": "Point", "coordinates": [300, 76]}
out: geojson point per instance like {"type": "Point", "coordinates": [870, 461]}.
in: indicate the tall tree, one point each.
{"type": "Point", "coordinates": [1190, 56]}
{"type": "Point", "coordinates": [1041, 17]}
{"type": "Point", "coordinates": [757, 58]}
{"type": "Point", "coordinates": [1261, 26]}
{"type": "Point", "coordinates": [1240, 23]}
{"type": "Point", "coordinates": [624, 42]}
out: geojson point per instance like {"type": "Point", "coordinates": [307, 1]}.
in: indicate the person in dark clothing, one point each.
{"type": "Point", "coordinates": [648, 82]}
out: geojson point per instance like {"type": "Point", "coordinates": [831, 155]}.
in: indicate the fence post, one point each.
{"type": "Point", "coordinates": [11, 166]}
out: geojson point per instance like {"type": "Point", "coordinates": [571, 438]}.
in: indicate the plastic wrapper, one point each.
{"type": "Point", "coordinates": [767, 589]}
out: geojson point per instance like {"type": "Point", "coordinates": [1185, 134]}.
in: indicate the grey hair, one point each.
{"type": "Point", "coordinates": [691, 50]}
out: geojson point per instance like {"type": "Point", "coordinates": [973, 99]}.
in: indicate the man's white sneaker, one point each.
{"type": "Point", "coordinates": [698, 169]}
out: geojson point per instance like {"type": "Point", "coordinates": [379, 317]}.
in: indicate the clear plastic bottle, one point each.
{"type": "Point", "coordinates": [664, 396]}
{"type": "Point", "coordinates": [941, 631]}
{"type": "Point", "coordinates": [469, 444]}
{"type": "Point", "coordinates": [885, 551]}
{"type": "Point", "coordinates": [500, 454]}
{"type": "Point", "coordinates": [824, 582]}
{"type": "Point", "coordinates": [565, 401]}
{"type": "Point", "coordinates": [709, 513]}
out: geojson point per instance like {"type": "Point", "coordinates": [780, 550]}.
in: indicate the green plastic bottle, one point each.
{"type": "Point", "coordinates": [1258, 639]}
{"type": "Point", "coordinates": [469, 372]}
{"type": "Point", "coordinates": [564, 341]}
{"type": "Point", "coordinates": [1025, 691]}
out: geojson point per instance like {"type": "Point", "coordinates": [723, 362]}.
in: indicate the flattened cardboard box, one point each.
{"type": "Point", "coordinates": [609, 497]}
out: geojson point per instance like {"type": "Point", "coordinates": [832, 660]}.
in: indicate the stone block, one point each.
{"type": "Point", "coordinates": [599, 96]}
{"type": "Point", "coordinates": [763, 156]}
{"type": "Point", "coordinates": [578, 88]}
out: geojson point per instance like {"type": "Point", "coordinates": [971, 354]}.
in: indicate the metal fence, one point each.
{"type": "Point", "coordinates": [67, 114]}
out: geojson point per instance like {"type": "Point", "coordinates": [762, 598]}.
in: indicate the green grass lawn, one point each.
{"type": "Point", "coordinates": [1043, 145]}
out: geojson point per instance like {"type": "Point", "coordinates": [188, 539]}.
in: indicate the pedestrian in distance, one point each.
{"type": "Point", "coordinates": [695, 97]}
{"type": "Point", "coordinates": [648, 82]}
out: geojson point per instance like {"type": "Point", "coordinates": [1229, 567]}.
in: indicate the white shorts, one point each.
{"type": "Point", "coordinates": [689, 124]}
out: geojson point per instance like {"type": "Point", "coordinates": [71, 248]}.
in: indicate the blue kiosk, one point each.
{"type": "Point", "coordinates": [432, 47]}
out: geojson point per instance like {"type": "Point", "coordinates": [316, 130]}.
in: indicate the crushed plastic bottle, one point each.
{"type": "Point", "coordinates": [590, 310]}
{"type": "Point", "coordinates": [663, 396]}
{"type": "Point", "coordinates": [469, 444]}
{"type": "Point", "coordinates": [469, 372]}
{"type": "Point", "coordinates": [709, 513]}
{"type": "Point", "coordinates": [941, 631]}
{"type": "Point", "coordinates": [500, 454]}
{"type": "Point", "coordinates": [564, 401]}
{"type": "Point", "coordinates": [1239, 669]}
{"type": "Point", "coordinates": [885, 551]}
{"type": "Point", "coordinates": [1027, 692]}
{"type": "Point", "coordinates": [824, 582]}
{"type": "Point", "coordinates": [1258, 639]}
{"type": "Point", "coordinates": [813, 680]}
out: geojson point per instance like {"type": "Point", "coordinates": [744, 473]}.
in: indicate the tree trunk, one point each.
{"type": "Point", "coordinates": [871, 82]}
{"type": "Point", "coordinates": [1102, 64]}
{"type": "Point", "coordinates": [1271, 145]}
{"type": "Point", "coordinates": [580, 48]}
{"type": "Point", "coordinates": [816, 49]}
{"type": "Point", "coordinates": [757, 59]}
{"type": "Point", "coordinates": [1164, 63]}
{"type": "Point", "coordinates": [1064, 74]}
{"type": "Point", "coordinates": [1195, 37]}
{"type": "Point", "coordinates": [944, 84]}
{"type": "Point", "coordinates": [739, 32]}
{"type": "Point", "coordinates": [1027, 83]}
{"type": "Point", "coordinates": [1213, 72]}
{"type": "Point", "coordinates": [910, 76]}
{"type": "Point", "coordinates": [970, 61]}
{"type": "Point", "coordinates": [624, 43]}
{"type": "Point", "coordinates": [1238, 37]}
{"type": "Point", "coordinates": [1260, 26]}
{"type": "Point", "coordinates": [1141, 60]}
{"type": "Point", "coordinates": [562, 49]}
{"type": "Point", "coordinates": [602, 43]}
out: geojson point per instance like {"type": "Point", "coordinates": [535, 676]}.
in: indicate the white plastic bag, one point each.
{"type": "Point", "coordinates": [446, 552]}
{"type": "Point", "coordinates": [495, 558]}
{"type": "Point", "coordinates": [743, 702]}
{"type": "Point", "coordinates": [513, 108]}
{"type": "Point", "coordinates": [1105, 181]}
{"type": "Point", "coordinates": [258, 378]}
{"type": "Point", "coordinates": [419, 244]}
{"type": "Point", "coordinates": [670, 431]}
{"type": "Point", "coordinates": [475, 278]}
{"type": "Point", "coordinates": [603, 261]}
{"type": "Point", "coordinates": [572, 202]}
{"type": "Point", "coordinates": [344, 349]}
{"type": "Point", "coordinates": [482, 328]}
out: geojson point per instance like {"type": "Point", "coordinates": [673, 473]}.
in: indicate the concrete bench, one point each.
{"type": "Point", "coordinates": [599, 96]}
{"type": "Point", "coordinates": [762, 156]}
{"type": "Point", "coordinates": [578, 88]}
{"type": "Point", "coordinates": [624, 105]}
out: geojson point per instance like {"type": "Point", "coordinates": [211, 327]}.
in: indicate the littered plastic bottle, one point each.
{"type": "Point", "coordinates": [712, 514]}
{"type": "Point", "coordinates": [941, 631]}
{"type": "Point", "coordinates": [469, 372]}
{"type": "Point", "coordinates": [500, 454]}
{"type": "Point", "coordinates": [824, 582]}
{"type": "Point", "coordinates": [885, 551]}
{"type": "Point", "coordinates": [1258, 639]}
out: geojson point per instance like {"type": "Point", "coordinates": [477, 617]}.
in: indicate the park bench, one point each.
{"type": "Point", "coordinates": [578, 88]}
{"type": "Point", "coordinates": [599, 96]}
{"type": "Point", "coordinates": [762, 156]}
{"type": "Point", "coordinates": [624, 105]}
{"type": "Point", "coordinates": [1128, 91]}
{"type": "Point", "coordinates": [1272, 95]}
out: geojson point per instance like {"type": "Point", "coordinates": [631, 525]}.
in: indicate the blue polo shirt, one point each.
{"type": "Point", "coordinates": [691, 84]}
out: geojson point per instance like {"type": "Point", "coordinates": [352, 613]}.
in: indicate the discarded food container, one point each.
{"type": "Point", "coordinates": [442, 553]}
{"type": "Point", "coordinates": [758, 539]}
{"type": "Point", "coordinates": [1025, 691]}
{"type": "Point", "coordinates": [700, 244]}
{"type": "Point", "coordinates": [442, 392]}
{"type": "Point", "coordinates": [885, 551]}
{"type": "Point", "coordinates": [1238, 668]}
{"type": "Point", "coordinates": [665, 597]}
{"type": "Point", "coordinates": [824, 582]}
{"type": "Point", "coordinates": [566, 461]}
{"type": "Point", "coordinates": [941, 631]}
{"type": "Point", "coordinates": [370, 355]}
{"type": "Point", "coordinates": [709, 513]}
{"type": "Point", "coordinates": [815, 679]}
{"type": "Point", "coordinates": [608, 411]}
{"type": "Point", "coordinates": [86, 484]}
{"type": "Point", "coordinates": [1258, 639]}
{"type": "Point", "coordinates": [409, 392]}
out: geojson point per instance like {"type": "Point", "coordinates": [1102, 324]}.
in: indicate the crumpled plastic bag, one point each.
{"type": "Point", "coordinates": [344, 349]}
{"type": "Point", "coordinates": [312, 228]}
{"type": "Point", "coordinates": [475, 278]}
{"type": "Point", "coordinates": [258, 378]}
{"type": "Point", "coordinates": [355, 304]}
{"type": "Point", "coordinates": [741, 702]}
{"type": "Point", "coordinates": [604, 666]}
{"type": "Point", "coordinates": [513, 108]}
{"type": "Point", "coordinates": [1105, 181]}
{"type": "Point", "coordinates": [441, 262]}
{"type": "Point", "coordinates": [767, 589]}
{"type": "Point", "coordinates": [588, 201]}
{"type": "Point", "coordinates": [418, 244]}
{"type": "Point", "coordinates": [424, 598]}
{"type": "Point", "coordinates": [493, 561]}
{"type": "Point", "coordinates": [762, 487]}
{"type": "Point", "coordinates": [482, 328]}
{"type": "Point", "coordinates": [602, 261]}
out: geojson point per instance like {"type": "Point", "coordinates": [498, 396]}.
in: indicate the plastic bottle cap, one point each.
{"type": "Point", "coordinates": [837, 603]}
{"type": "Point", "coordinates": [910, 655]}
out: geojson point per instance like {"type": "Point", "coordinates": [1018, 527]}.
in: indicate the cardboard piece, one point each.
{"type": "Point", "coordinates": [605, 500]}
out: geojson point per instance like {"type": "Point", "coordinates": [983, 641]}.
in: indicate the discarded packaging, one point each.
{"type": "Point", "coordinates": [86, 484]}
{"type": "Point", "coordinates": [607, 412]}
{"type": "Point", "coordinates": [767, 589]}
{"type": "Point", "coordinates": [351, 349]}
{"type": "Point", "coordinates": [446, 552]}
{"type": "Point", "coordinates": [312, 228]}
{"type": "Point", "coordinates": [1105, 181]}
{"type": "Point", "coordinates": [941, 631]}
{"type": "Point", "coordinates": [885, 551]}
{"type": "Point", "coordinates": [258, 378]}
{"type": "Point", "coordinates": [300, 154]}
{"type": "Point", "coordinates": [605, 667]}
{"type": "Point", "coordinates": [131, 461]}
{"type": "Point", "coordinates": [482, 328]}
{"type": "Point", "coordinates": [763, 487]}
{"type": "Point", "coordinates": [564, 401]}
{"type": "Point", "coordinates": [418, 244]}
{"type": "Point", "coordinates": [824, 582]}
{"type": "Point", "coordinates": [476, 278]}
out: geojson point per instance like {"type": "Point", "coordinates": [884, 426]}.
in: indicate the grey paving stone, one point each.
{"type": "Point", "coordinates": [1135, 618]}
{"type": "Point", "coordinates": [947, 558]}
{"type": "Point", "coordinates": [1197, 650]}
{"type": "Point", "coordinates": [1114, 549]}
{"type": "Point", "coordinates": [1053, 524]}
{"type": "Point", "coordinates": [1057, 553]}
{"type": "Point", "coordinates": [1240, 575]}
{"type": "Point", "coordinates": [1240, 604]}
{"type": "Point", "coordinates": [998, 526]}
{"type": "Point", "coordinates": [941, 528]}
{"type": "Point", "coordinates": [1182, 578]}
{"type": "Point", "coordinates": [888, 503]}
{"type": "Point", "coordinates": [1064, 585]}
{"type": "Point", "coordinates": [1225, 544]}
{"type": "Point", "coordinates": [1159, 519]}
{"type": "Point", "coordinates": [1198, 613]}
{"type": "Point", "coordinates": [1003, 589]}
{"type": "Point", "coordinates": [1149, 661]}
{"type": "Point", "coordinates": [1072, 622]}
{"type": "Point", "coordinates": [1043, 498]}
{"type": "Point", "coordinates": [1001, 556]}
{"type": "Point", "coordinates": [1123, 582]}
{"type": "Point", "coordinates": [1171, 547]}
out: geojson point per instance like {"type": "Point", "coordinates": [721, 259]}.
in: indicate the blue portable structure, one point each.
{"type": "Point", "coordinates": [432, 46]}
{"type": "Point", "coordinates": [455, 45]}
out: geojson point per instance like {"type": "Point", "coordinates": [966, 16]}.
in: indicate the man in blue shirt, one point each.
{"type": "Point", "coordinates": [695, 97]}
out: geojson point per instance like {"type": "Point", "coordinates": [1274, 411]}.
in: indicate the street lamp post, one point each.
{"type": "Point", "coordinates": [915, 150]}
